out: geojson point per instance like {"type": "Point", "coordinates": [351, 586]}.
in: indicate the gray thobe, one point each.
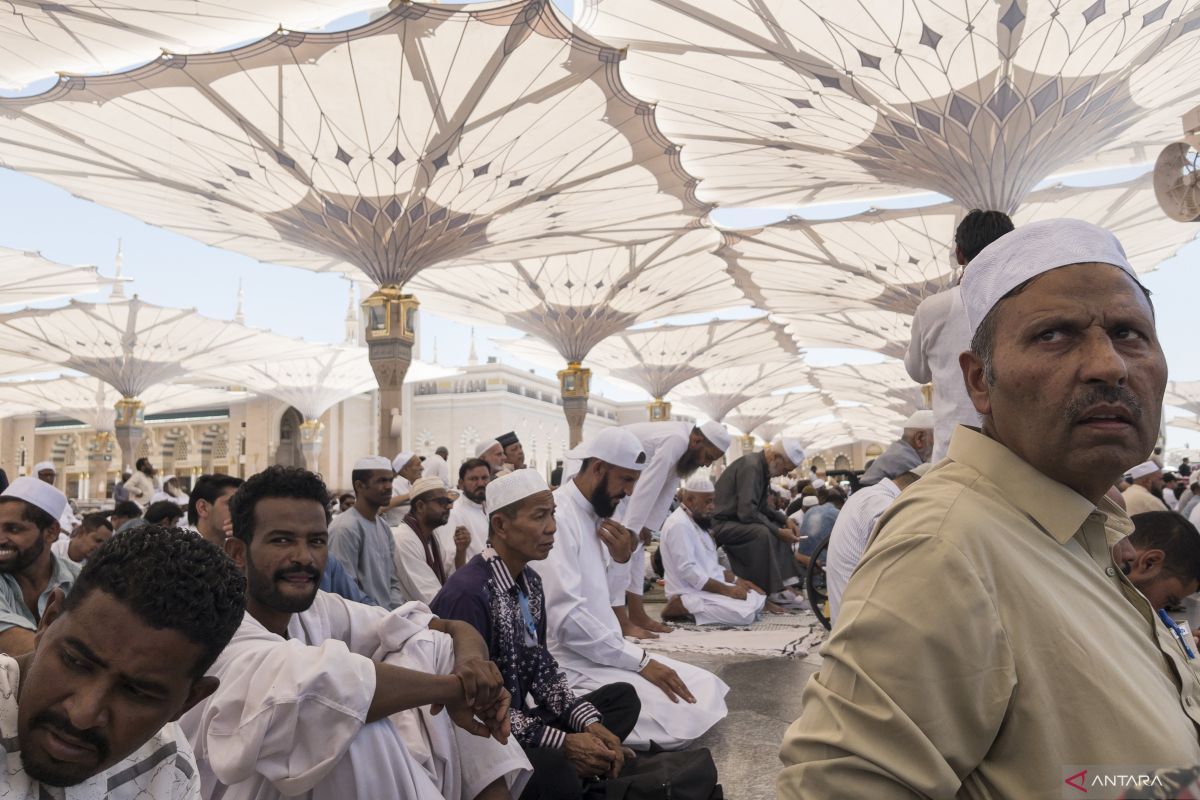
{"type": "Point", "coordinates": [744, 524]}
{"type": "Point", "coordinates": [367, 551]}
{"type": "Point", "coordinates": [896, 460]}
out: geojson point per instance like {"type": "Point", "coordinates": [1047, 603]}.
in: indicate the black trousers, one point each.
{"type": "Point", "coordinates": [554, 777]}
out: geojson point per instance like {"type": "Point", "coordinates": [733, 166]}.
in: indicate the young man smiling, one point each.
{"type": "Point", "coordinates": [332, 699]}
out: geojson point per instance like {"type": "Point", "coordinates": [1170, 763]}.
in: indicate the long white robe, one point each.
{"type": "Point", "coordinates": [289, 716]}
{"type": "Point", "coordinates": [689, 557]}
{"type": "Point", "coordinates": [417, 578]}
{"type": "Point", "coordinates": [471, 516]}
{"type": "Point", "coordinates": [585, 637]}
{"type": "Point", "coordinates": [664, 444]}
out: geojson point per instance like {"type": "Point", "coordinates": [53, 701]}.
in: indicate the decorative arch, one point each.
{"type": "Point", "coordinates": [841, 462]}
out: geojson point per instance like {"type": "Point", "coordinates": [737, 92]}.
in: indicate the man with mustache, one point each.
{"type": "Point", "coordinates": [333, 699]}
{"type": "Point", "coordinates": [988, 644]}
{"type": "Point", "coordinates": [92, 709]}
{"type": "Point", "coordinates": [29, 569]}
{"type": "Point", "coordinates": [1144, 495]}
{"type": "Point", "coordinates": [583, 632]}
{"type": "Point", "coordinates": [571, 740]}
{"type": "Point", "coordinates": [420, 561]}
{"type": "Point", "coordinates": [696, 584]}
{"type": "Point", "coordinates": [467, 513]}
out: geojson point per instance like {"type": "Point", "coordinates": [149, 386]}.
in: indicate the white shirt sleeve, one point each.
{"type": "Point", "coordinates": [916, 360]}
{"type": "Point", "coordinates": [578, 627]}
{"type": "Point", "coordinates": [650, 502]}
{"type": "Point", "coordinates": [285, 710]}
{"type": "Point", "coordinates": [416, 576]}
{"type": "Point", "coordinates": [680, 560]}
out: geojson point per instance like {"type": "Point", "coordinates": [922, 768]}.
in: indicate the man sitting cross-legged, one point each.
{"type": "Point", "coordinates": [115, 663]}
{"type": "Point", "coordinates": [569, 739]}
{"type": "Point", "coordinates": [696, 584]}
{"type": "Point", "coordinates": [326, 698]}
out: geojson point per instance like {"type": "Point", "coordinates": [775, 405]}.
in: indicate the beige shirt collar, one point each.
{"type": "Point", "coordinates": [1058, 509]}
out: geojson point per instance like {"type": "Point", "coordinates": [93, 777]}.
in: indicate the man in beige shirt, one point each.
{"type": "Point", "coordinates": [1140, 497]}
{"type": "Point", "coordinates": [988, 646]}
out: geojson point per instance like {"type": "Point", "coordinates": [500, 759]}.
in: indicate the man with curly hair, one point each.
{"type": "Point", "coordinates": [116, 662]}
{"type": "Point", "coordinates": [331, 699]}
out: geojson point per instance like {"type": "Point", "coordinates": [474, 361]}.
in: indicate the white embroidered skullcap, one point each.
{"type": "Point", "coordinates": [1029, 251]}
{"type": "Point", "coordinates": [809, 501]}
{"type": "Point", "coordinates": [372, 462]}
{"type": "Point", "coordinates": [513, 488]}
{"type": "Point", "coordinates": [401, 460]}
{"type": "Point", "coordinates": [817, 483]}
{"type": "Point", "coordinates": [791, 448]}
{"type": "Point", "coordinates": [922, 419]}
{"type": "Point", "coordinates": [615, 446]}
{"type": "Point", "coordinates": [1144, 469]}
{"type": "Point", "coordinates": [485, 445]}
{"type": "Point", "coordinates": [38, 493]}
{"type": "Point", "coordinates": [699, 483]}
{"type": "Point", "coordinates": [424, 485]}
{"type": "Point", "coordinates": [717, 435]}
{"type": "Point", "coordinates": [44, 465]}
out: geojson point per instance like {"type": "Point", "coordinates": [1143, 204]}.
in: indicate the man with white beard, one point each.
{"type": "Point", "coordinates": [696, 584]}
{"type": "Point", "coordinates": [582, 630]}
{"type": "Point", "coordinates": [329, 699]}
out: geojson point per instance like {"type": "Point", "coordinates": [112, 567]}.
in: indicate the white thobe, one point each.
{"type": "Point", "coordinates": [585, 637]}
{"type": "Point", "coordinates": [849, 537]}
{"type": "Point", "coordinates": [417, 578]}
{"type": "Point", "coordinates": [664, 444]}
{"type": "Point", "coordinates": [436, 467]}
{"type": "Point", "coordinates": [471, 516]}
{"type": "Point", "coordinates": [61, 548]}
{"type": "Point", "coordinates": [689, 557]}
{"type": "Point", "coordinates": [288, 719]}
{"type": "Point", "coordinates": [939, 334]}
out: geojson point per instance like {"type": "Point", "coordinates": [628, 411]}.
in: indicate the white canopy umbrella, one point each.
{"type": "Point", "coordinates": [27, 277]}
{"type": "Point", "coordinates": [659, 358]}
{"type": "Point", "coordinates": [575, 301]}
{"type": "Point", "coordinates": [892, 260]}
{"type": "Point", "coordinates": [311, 380]}
{"type": "Point", "coordinates": [789, 102]}
{"type": "Point", "coordinates": [41, 39]}
{"type": "Point", "coordinates": [431, 135]}
{"type": "Point", "coordinates": [132, 346]}
{"type": "Point", "coordinates": [719, 391]}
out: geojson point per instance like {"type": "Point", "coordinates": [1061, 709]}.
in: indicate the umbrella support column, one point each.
{"type": "Point", "coordinates": [575, 383]}
{"type": "Point", "coordinates": [100, 458]}
{"type": "Point", "coordinates": [311, 431]}
{"type": "Point", "coordinates": [391, 333]}
{"type": "Point", "coordinates": [130, 429]}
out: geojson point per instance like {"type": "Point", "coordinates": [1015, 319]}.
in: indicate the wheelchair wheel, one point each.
{"type": "Point", "coordinates": [814, 584]}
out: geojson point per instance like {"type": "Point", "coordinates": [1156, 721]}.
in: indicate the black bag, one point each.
{"type": "Point", "coordinates": [683, 775]}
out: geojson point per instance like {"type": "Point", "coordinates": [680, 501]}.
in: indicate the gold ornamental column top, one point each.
{"type": "Point", "coordinates": [660, 410]}
{"type": "Point", "coordinates": [575, 380]}
{"type": "Point", "coordinates": [130, 411]}
{"type": "Point", "coordinates": [391, 315]}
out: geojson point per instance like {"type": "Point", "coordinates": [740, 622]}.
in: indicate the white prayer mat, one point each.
{"type": "Point", "coordinates": [792, 635]}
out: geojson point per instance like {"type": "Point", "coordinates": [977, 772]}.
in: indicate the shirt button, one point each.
{"type": "Point", "coordinates": [1111, 572]}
